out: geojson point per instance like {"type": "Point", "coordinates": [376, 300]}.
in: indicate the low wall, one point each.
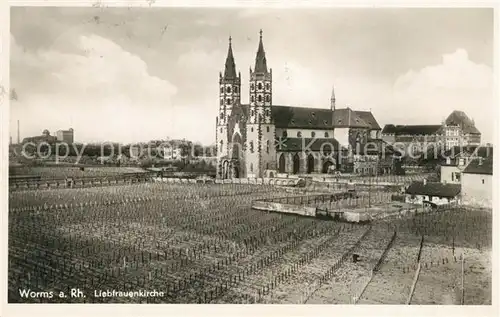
{"type": "Point", "coordinates": [182, 180]}
{"type": "Point", "coordinates": [284, 208]}
{"type": "Point", "coordinates": [77, 182]}
{"type": "Point", "coordinates": [263, 181]}
{"type": "Point", "coordinates": [305, 210]}
{"type": "Point", "coordinates": [251, 181]}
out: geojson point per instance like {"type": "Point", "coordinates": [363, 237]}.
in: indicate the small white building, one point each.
{"type": "Point", "coordinates": [477, 182]}
{"type": "Point", "coordinates": [458, 159]}
{"type": "Point", "coordinates": [451, 171]}
{"type": "Point", "coordinates": [171, 153]}
{"type": "Point", "coordinates": [432, 192]}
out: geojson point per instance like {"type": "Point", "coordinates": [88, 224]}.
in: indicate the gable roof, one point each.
{"type": "Point", "coordinates": [297, 117]}
{"type": "Point", "coordinates": [461, 119]}
{"type": "Point", "coordinates": [348, 118]}
{"type": "Point", "coordinates": [476, 150]}
{"type": "Point", "coordinates": [368, 118]}
{"type": "Point", "coordinates": [411, 129]}
{"type": "Point", "coordinates": [434, 189]}
{"type": "Point", "coordinates": [480, 166]}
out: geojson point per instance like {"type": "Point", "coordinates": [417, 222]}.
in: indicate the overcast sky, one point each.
{"type": "Point", "coordinates": [137, 74]}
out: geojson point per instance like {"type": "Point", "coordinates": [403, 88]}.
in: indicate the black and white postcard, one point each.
{"type": "Point", "coordinates": [314, 155]}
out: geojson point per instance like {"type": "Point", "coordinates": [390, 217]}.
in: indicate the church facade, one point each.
{"type": "Point", "coordinates": [262, 139]}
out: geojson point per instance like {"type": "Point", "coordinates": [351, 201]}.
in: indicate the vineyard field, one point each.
{"type": "Point", "coordinates": [202, 243]}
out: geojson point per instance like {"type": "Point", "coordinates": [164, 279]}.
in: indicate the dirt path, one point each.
{"type": "Point", "coordinates": [305, 281]}
{"type": "Point", "coordinates": [351, 277]}
{"type": "Point", "coordinates": [391, 284]}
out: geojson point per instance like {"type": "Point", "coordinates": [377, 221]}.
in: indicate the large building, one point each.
{"type": "Point", "coordinates": [66, 136]}
{"type": "Point", "coordinates": [457, 130]}
{"type": "Point", "coordinates": [44, 138]}
{"type": "Point", "coordinates": [261, 138]}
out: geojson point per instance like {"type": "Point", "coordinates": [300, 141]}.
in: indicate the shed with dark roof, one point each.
{"type": "Point", "coordinates": [434, 189]}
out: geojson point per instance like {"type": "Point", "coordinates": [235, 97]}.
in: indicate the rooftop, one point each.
{"type": "Point", "coordinates": [434, 189]}
{"type": "Point", "coordinates": [461, 119]}
{"type": "Point", "coordinates": [411, 129]}
{"type": "Point", "coordinates": [480, 166]}
{"type": "Point", "coordinates": [353, 119]}
{"type": "Point", "coordinates": [297, 117]}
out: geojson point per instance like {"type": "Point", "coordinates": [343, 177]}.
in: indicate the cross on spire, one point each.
{"type": "Point", "coordinates": [230, 68]}
{"type": "Point", "coordinates": [260, 59]}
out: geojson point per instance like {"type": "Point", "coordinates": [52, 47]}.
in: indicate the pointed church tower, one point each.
{"type": "Point", "coordinates": [229, 97]}
{"type": "Point", "coordinates": [332, 99]}
{"type": "Point", "coordinates": [261, 149]}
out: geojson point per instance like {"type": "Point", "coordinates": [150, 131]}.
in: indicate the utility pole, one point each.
{"type": "Point", "coordinates": [369, 192]}
{"type": "Point", "coordinates": [18, 136]}
{"type": "Point", "coordinates": [463, 290]}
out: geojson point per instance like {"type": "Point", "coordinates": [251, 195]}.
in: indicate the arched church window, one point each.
{"type": "Point", "coordinates": [252, 87]}
{"type": "Point", "coordinates": [259, 98]}
{"type": "Point", "coordinates": [228, 89]}
{"type": "Point", "coordinates": [268, 113]}
{"type": "Point", "coordinates": [252, 98]}
{"type": "Point", "coordinates": [253, 112]}
{"type": "Point", "coordinates": [267, 146]}
{"type": "Point", "coordinates": [228, 101]}
{"type": "Point", "coordinates": [284, 134]}
{"type": "Point", "coordinates": [267, 129]}
{"type": "Point", "coordinates": [235, 89]}
{"type": "Point", "coordinates": [259, 86]}
{"type": "Point", "coordinates": [313, 134]}
{"type": "Point", "coordinates": [251, 167]}
{"type": "Point", "coordinates": [268, 86]}
{"type": "Point", "coordinates": [268, 98]}
{"type": "Point", "coordinates": [326, 135]}
{"type": "Point", "coordinates": [221, 145]}
{"type": "Point", "coordinates": [251, 146]}
{"type": "Point", "coordinates": [299, 134]}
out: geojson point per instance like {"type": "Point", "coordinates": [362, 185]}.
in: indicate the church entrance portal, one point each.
{"type": "Point", "coordinates": [327, 166]}
{"type": "Point", "coordinates": [236, 171]}
{"type": "Point", "coordinates": [282, 163]}
{"type": "Point", "coordinates": [310, 164]}
{"type": "Point", "coordinates": [225, 170]}
{"type": "Point", "coordinates": [296, 163]}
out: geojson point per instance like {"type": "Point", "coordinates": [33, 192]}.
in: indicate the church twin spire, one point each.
{"type": "Point", "coordinates": [260, 60]}
{"type": "Point", "coordinates": [230, 68]}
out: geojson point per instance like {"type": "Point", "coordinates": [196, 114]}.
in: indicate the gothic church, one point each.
{"type": "Point", "coordinates": [261, 139]}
